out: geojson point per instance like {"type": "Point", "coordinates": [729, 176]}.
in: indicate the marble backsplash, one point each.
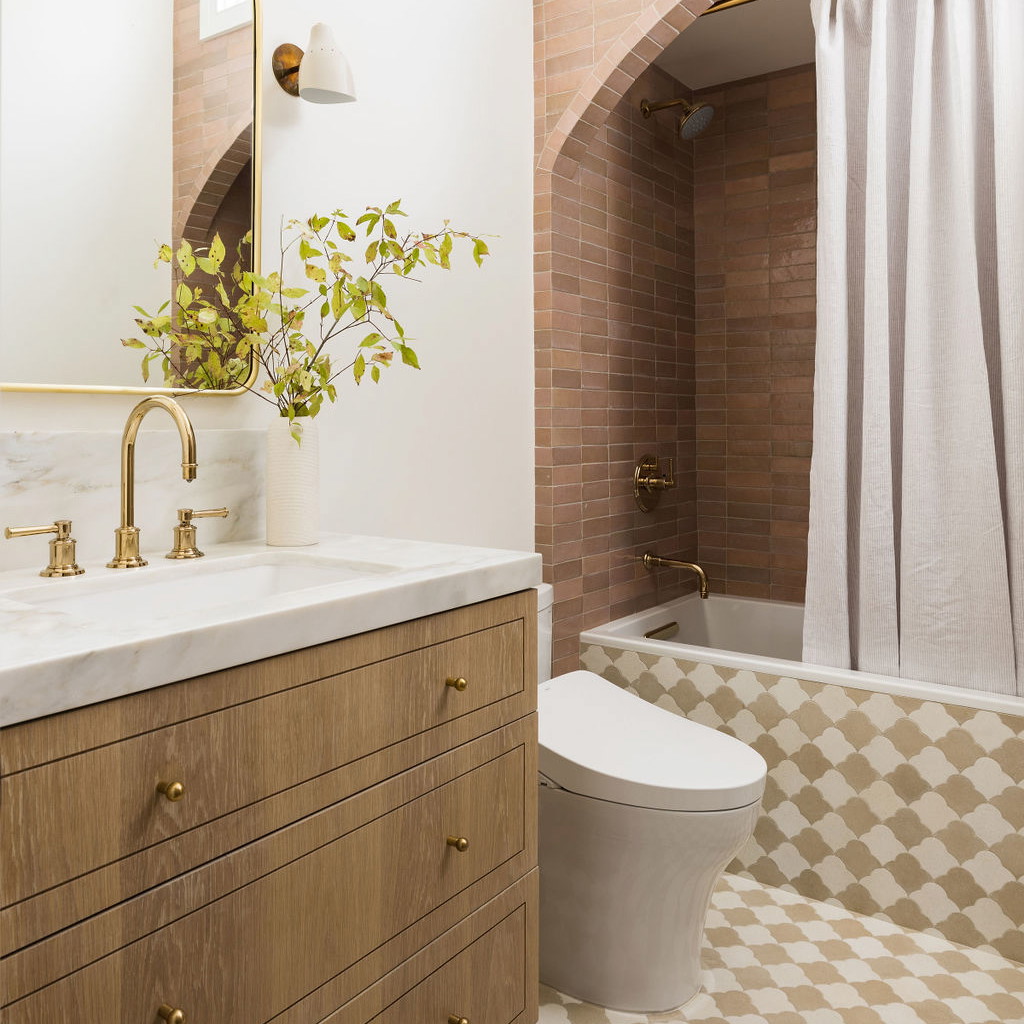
{"type": "Point", "coordinates": [76, 475]}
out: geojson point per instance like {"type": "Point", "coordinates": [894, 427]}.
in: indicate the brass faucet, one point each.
{"type": "Point", "coordinates": [652, 561]}
{"type": "Point", "coordinates": [126, 551]}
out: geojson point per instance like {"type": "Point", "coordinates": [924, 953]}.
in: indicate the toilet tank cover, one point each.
{"type": "Point", "coordinates": [598, 740]}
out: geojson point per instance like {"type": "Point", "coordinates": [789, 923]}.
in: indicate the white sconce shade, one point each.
{"type": "Point", "coordinates": [324, 74]}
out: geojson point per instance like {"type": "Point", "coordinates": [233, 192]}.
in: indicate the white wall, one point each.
{"type": "Point", "coordinates": [79, 192]}
{"type": "Point", "coordinates": [444, 121]}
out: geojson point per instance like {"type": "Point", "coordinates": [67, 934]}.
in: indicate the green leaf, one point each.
{"type": "Point", "coordinates": [183, 296]}
{"type": "Point", "coordinates": [395, 207]}
{"type": "Point", "coordinates": [315, 273]}
{"type": "Point", "coordinates": [359, 368]}
{"type": "Point", "coordinates": [370, 340]}
{"type": "Point", "coordinates": [408, 356]}
{"type": "Point", "coordinates": [206, 265]}
{"type": "Point", "coordinates": [207, 316]}
{"type": "Point", "coordinates": [164, 255]}
{"type": "Point", "coordinates": [294, 293]}
{"type": "Point", "coordinates": [389, 228]}
{"type": "Point", "coordinates": [480, 250]}
{"type": "Point", "coordinates": [186, 260]}
{"type": "Point", "coordinates": [358, 309]}
{"type": "Point", "coordinates": [345, 232]}
{"type": "Point", "coordinates": [217, 250]}
{"type": "Point", "coordinates": [306, 251]}
{"type": "Point", "coordinates": [339, 304]}
{"type": "Point", "coordinates": [446, 251]}
{"type": "Point", "coordinates": [133, 343]}
{"type": "Point", "coordinates": [375, 373]}
{"type": "Point", "coordinates": [371, 220]}
{"type": "Point", "coordinates": [371, 251]}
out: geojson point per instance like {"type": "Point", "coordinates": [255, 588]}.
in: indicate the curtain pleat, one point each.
{"type": "Point", "coordinates": [917, 487]}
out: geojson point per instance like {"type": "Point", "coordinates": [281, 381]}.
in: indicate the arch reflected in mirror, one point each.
{"type": "Point", "coordinates": [100, 168]}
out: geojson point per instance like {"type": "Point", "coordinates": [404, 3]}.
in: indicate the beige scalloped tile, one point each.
{"type": "Point", "coordinates": [908, 810]}
{"type": "Point", "coordinates": [773, 957]}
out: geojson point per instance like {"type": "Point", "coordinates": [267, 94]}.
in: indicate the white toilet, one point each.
{"type": "Point", "coordinates": [640, 812]}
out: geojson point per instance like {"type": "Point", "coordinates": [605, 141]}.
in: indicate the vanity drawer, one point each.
{"type": "Point", "coordinates": [68, 817]}
{"type": "Point", "coordinates": [260, 949]}
{"type": "Point", "coordinates": [485, 983]}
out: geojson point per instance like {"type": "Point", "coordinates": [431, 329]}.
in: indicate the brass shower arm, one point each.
{"type": "Point", "coordinates": [724, 5]}
{"type": "Point", "coordinates": [647, 107]}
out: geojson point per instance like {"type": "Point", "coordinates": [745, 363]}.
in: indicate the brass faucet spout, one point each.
{"type": "Point", "coordinates": [126, 554]}
{"type": "Point", "coordinates": [652, 561]}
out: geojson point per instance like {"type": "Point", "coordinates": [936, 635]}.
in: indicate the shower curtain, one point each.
{"type": "Point", "coordinates": [916, 546]}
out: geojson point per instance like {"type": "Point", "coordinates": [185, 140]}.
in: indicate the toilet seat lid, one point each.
{"type": "Point", "coordinates": [598, 740]}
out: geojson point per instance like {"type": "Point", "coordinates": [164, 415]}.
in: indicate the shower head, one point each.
{"type": "Point", "coordinates": [695, 120]}
{"type": "Point", "coordinates": [695, 117]}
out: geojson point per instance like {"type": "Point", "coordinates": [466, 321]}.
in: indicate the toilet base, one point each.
{"type": "Point", "coordinates": [624, 894]}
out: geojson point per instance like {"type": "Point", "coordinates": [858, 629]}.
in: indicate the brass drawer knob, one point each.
{"type": "Point", "coordinates": [456, 683]}
{"type": "Point", "coordinates": [456, 1019]}
{"type": "Point", "coordinates": [461, 843]}
{"type": "Point", "coordinates": [174, 791]}
{"type": "Point", "coordinates": [169, 1014]}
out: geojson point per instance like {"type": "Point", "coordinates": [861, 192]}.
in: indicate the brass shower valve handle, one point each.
{"type": "Point", "coordinates": [649, 481]}
{"type": "Point", "coordinates": [62, 547]}
{"type": "Point", "coordinates": [185, 531]}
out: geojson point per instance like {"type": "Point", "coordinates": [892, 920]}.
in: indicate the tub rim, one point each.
{"type": "Point", "coordinates": [958, 696]}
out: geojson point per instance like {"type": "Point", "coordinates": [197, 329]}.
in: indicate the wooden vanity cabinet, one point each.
{"type": "Point", "coordinates": [355, 840]}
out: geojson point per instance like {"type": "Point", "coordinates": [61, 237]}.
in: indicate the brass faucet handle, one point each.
{"type": "Point", "coordinates": [649, 481]}
{"type": "Point", "coordinates": [186, 515]}
{"type": "Point", "coordinates": [185, 531]}
{"type": "Point", "coordinates": [62, 547]}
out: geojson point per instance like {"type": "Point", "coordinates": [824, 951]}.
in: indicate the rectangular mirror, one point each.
{"type": "Point", "coordinates": [123, 125]}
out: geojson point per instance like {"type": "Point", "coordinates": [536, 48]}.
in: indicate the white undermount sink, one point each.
{"type": "Point", "coordinates": [192, 588]}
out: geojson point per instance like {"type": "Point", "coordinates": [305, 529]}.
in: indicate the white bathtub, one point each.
{"type": "Point", "coordinates": [763, 636]}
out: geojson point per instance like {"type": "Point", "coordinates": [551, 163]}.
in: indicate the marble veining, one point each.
{"type": "Point", "coordinates": [76, 475]}
{"type": "Point", "coordinates": [53, 660]}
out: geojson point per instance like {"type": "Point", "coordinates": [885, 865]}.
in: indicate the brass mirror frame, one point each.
{"type": "Point", "coordinates": [257, 236]}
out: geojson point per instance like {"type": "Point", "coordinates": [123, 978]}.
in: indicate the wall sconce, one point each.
{"type": "Point", "coordinates": [320, 75]}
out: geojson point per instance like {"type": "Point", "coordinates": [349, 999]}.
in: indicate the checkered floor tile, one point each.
{"type": "Point", "coordinates": [772, 957]}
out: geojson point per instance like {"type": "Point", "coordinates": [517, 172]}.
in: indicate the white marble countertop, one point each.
{"type": "Point", "coordinates": [53, 659]}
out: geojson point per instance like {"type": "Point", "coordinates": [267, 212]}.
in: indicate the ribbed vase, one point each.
{"type": "Point", "coordinates": [293, 483]}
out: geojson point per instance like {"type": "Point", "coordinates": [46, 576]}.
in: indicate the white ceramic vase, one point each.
{"type": "Point", "coordinates": [293, 483]}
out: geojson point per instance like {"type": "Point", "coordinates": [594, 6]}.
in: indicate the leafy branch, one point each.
{"type": "Point", "coordinates": [220, 318]}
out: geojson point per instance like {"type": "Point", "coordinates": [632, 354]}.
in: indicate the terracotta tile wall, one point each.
{"type": "Point", "coordinates": [588, 50]}
{"type": "Point", "coordinates": [617, 381]}
{"type": "Point", "coordinates": [754, 208]}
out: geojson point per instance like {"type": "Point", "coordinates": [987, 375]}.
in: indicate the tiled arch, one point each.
{"type": "Point", "coordinates": [227, 158]}
{"type": "Point", "coordinates": [656, 25]}
{"type": "Point", "coordinates": [589, 54]}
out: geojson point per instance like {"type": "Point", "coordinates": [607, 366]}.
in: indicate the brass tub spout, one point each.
{"type": "Point", "coordinates": [652, 561]}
